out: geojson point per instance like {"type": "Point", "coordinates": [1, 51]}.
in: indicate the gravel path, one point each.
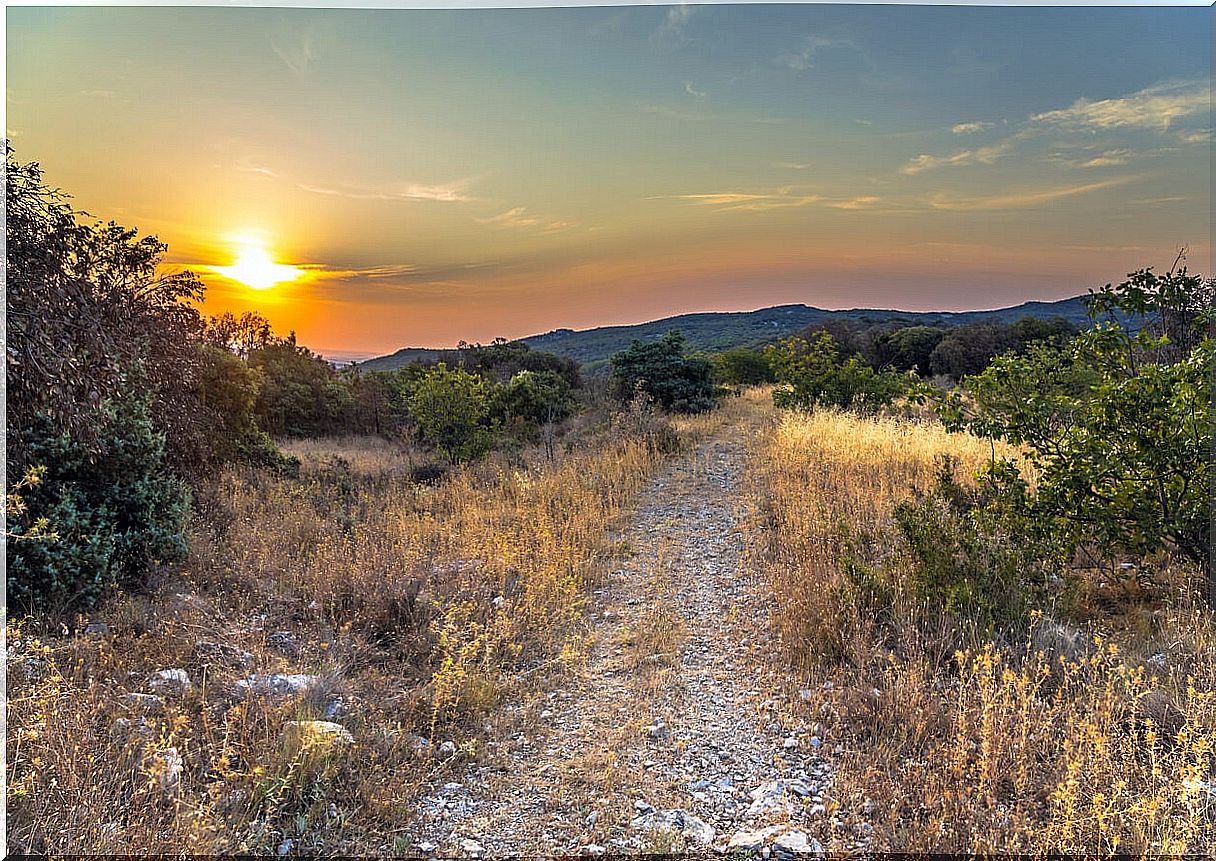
{"type": "Point", "coordinates": [672, 734]}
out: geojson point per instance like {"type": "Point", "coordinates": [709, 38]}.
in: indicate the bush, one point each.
{"type": "Point", "coordinates": [971, 553]}
{"type": "Point", "coordinates": [531, 399]}
{"type": "Point", "coordinates": [1117, 423]}
{"type": "Point", "coordinates": [742, 366]}
{"type": "Point", "coordinates": [813, 375]}
{"type": "Point", "coordinates": [451, 408]}
{"type": "Point", "coordinates": [111, 510]}
{"type": "Point", "coordinates": [661, 370]}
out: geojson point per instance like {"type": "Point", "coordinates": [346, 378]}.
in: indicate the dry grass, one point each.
{"type": "Point", "coordinates": [417, 606]}
{"type": "Point", "coordinates": [1059, 742]}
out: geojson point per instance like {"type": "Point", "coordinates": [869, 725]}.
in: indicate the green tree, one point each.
{"type": "Point", "coordinates": [300, 393]}
{"type": "Point", "coordinates": [908, 348]}
{"type": "Point", "coordinates": [660, 369]}
{"type": "Point", "coordinates": [531, 399]}
{"type": "Point", "coordinates": [451, 408]}
{"type": "Point", "coordinates": [812, 374]}
{"type": "Point", "coordinates": [1117, 421]}
{"type": "Point", "coordinates": [742, 366]}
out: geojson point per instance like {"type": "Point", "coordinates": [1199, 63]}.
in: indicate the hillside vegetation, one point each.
{"type": "Point", "coordinates": [717, 331]}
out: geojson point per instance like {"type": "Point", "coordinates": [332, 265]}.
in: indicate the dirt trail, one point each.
{"type": "Point", "coordinates": [672, 726]}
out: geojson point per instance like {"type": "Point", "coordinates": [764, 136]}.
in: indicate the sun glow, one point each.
{"type": "Point", "coordinates": [255, 268]}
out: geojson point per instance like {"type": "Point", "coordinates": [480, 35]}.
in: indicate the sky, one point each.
{"type": "Point", "coordinates": [414, 178]}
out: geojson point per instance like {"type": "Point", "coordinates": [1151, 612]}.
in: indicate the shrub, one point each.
{"type": "Point", "coordinates": [813, 375]}
{"type": "Point", "coordinates": [531, 399]}
{"type": "Point", "coordinates": [109, 515]}
{"type": "Point", "coordinates": [971, 553]}
{"type": "Point", "coordinates": [742, 366]}
{"type": "Point", "coordinates": [1117, 424]}
{"type": "Point", "coordinates": [661, 370]}
{"type": "Point", "coordinates": [451, 408]}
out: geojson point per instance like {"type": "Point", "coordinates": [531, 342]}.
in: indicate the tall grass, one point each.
{"type": "Point", "coordinates": [415, 605]}
{"type": "Point", "coordinates": [1039, 737]}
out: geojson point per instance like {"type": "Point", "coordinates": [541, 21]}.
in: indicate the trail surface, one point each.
{"type": "Point", "coordinates": [673, 733]}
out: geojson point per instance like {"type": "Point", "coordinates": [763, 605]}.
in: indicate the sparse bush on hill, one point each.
{"type": "Point", "coordinates": [815, 375]}
{"type": "Point", "coordinates": [660, 370]}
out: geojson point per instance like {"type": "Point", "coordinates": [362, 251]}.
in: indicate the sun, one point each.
{"type": "Point", "coordinates": [255, 268]}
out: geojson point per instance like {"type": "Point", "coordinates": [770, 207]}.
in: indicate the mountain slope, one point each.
{"type": "Point", "coordinates": [713, 331]}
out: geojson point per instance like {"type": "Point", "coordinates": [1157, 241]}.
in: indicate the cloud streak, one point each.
{"type": "Point", "coordinates": [1020, 199]}
{"type": "Point", "coordinates": [1154, 107]}
{"type": "Point", "coordinates": [518, 218]}
{"type": "Point", "coordinates": [980, 155]}
{"type": "Point", "coordinates": [970, 128]}
{"type": "Point", "coordinates": [451, 192]}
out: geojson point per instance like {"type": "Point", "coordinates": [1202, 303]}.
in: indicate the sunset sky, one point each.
{"type": "Point", "coordinates": [420, 177]}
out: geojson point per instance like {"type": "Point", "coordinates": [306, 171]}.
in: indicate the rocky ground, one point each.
{"type": "Point", "coordinates": [671, 733]}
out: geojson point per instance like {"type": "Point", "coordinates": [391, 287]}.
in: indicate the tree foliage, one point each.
{"type": "Point", "coordinates": [660, 370]}
{"type": "Point", "coordinates": [813, 374]}
{"type": "Point", "coordinates": [1117, 422]}
{"type": "Point", "coordinates": [451, 408]}
{"type": "Point", "coordinates": [742, 366]}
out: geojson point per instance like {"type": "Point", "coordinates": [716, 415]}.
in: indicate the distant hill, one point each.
{"type": "Point", "coordinates": [714, 331]}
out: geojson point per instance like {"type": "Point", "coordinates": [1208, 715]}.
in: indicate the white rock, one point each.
{"type": "Point", "coordinates": [790, 743]}
{"type": "Point", "coordinates": [750, 841]}
{"type": "Point", "coordinates": [471, 848]}
{"type": "Point", "coordinates": [499, 601]}
{"type": "Point", "coordinates": [796, 843]}
{"type": "Point", "coordinates": [174, 681]}
{"type": "Point", "coordinates": [447, 749]}
{"type": "Point", "coordinates": [149, 704]}
{"type": "Point", "coordinates": [691, 827]}
{"type": "Point", "coordinates": [277, 684]}
{"type": "Point", "coordinates": [592, 850]}
{"type": "Point", "coordinates": [546, 714]}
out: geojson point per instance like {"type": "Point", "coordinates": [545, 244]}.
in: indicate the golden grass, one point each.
{"type": "Point", "coordinates": [417, 606]}
{"type": "Point", "coordinates": [1059, 742]}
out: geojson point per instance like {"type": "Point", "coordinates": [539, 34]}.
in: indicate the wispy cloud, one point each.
{"type": "Point", "coordinates": [782, 198]}
{"type": "Point", "coordinates": [246, 165]}
{"type": "Point", "coordinates": [980, 155]}
{"type": "Point", "coordinates": [864, 202]}
{"type": "Point", "coordinates": [518, 218]}
{"type": "Point", "coordinates": [806, 57]}
{"type": "Point", "coordinates": [297, 52]}
{"type": "Point", "coordinates": [795, 165]}
{"type": "Point", "coordinates": [1110, 158]}
{"type": "Point", "coordinates": [743, 201]}
{"type": "Point", "coordinates": [695, 93]}
{"type": "Point", "coordinates": [1020, 199]}
{"type": "Point", "coordinates": [970, 128]}
{"type": "Point", "coordinates": [670, 35]}
{"type": "Point", "coordinates": [451, 192]}
{"type": "Point", "coordinates": [1154, 107]}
